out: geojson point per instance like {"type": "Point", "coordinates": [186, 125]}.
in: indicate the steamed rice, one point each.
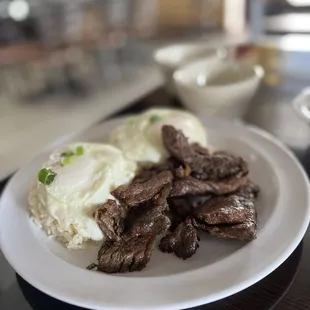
{"type": "Point", "coordinates": [67, 235]}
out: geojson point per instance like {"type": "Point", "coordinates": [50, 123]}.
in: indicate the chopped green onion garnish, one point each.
{"type": "Point", "coordinates": [155, 119]}
{"type": "Point", "coordinates": [67, 160]}
{"type": "Point", "coordinates": [130, 120]}
{"type": "Point", "coordinates": [46, 176]}
{"type": "Point", "coordinates": [79, 151]}
{"type": "Point", "coordinates": [66, 154]}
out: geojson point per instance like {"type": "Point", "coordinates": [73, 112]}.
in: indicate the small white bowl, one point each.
{"type": "Point", "coordinates": [218, 87]}
{"type": "Point", "coordinates": [171, 57]}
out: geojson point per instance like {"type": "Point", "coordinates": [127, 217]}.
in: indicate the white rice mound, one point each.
{"type": "Point", "coordinates": [67, 235]}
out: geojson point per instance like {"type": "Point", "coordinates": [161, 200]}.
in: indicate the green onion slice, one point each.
{"type": "Point", "coordinates": [66, 154]}
{"type": "Point", "coordinates": [79, 150]}
{"type": "Point", "coordinates": [155, 119]}
{"type": "Point", "coordinates": [46, 176]}
{"type": "Point", "coordinates": [66, 160]}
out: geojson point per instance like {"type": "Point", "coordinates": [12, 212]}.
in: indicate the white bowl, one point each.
{"type": "Point", "coordinates": [170, 58]}
{"type": "Point", "coordinates": [218, 87]}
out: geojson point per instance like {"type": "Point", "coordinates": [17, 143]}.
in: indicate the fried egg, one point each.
{"type": "Point", "coordinates": [139, 137]}
{"type": "Point", "coordinates": [84, 176]}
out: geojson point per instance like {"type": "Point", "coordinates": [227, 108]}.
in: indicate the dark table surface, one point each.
{"type": "Point", "coordinates": [288, 287]}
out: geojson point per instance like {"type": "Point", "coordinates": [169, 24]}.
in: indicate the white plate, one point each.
{"type": "Point", "coordinates": [220, 267]}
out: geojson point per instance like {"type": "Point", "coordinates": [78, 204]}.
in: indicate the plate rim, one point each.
{"type": "Point", "coordinates": [197, 301]}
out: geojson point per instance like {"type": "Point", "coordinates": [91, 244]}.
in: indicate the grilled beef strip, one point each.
{"type": "Point", "coordinates": [249, 191]}
{"type": "Point", "coordinates": [224, 210]}
{"type": "Point", "coordinates": [232, 217]}
{"type": "Point", "coordinates": [150, 218]}
{"type": "Point", "coordinates": [179, 210]}
{"type": "Point", "coordinates": [245, 231]}
{"type": "Point", "coordinates": [204, 166]}
{"type": "Point", "coordinates": [177, 145]}
{"type": "Point", "coordinates": [110, 218]}
{"type": "Point", "coordinates": [189, 186]}
{"type": "Point", "coordinates": [137, 193]}
{"type": "Point", "coordinates": [128, 254]}
{"type": "Point", "coordinates": [183, 241]}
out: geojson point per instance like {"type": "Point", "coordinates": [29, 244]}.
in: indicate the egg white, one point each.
{"type": "Point", "coordinates": [79, 186]}
{"type": "Point", "coordinates": [139, 137]}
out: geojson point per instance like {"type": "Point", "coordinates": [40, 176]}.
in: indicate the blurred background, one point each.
{"type": "Point", "coordinates": [57, 46]}
{"type": "Point", "coordinates": [68, 64]}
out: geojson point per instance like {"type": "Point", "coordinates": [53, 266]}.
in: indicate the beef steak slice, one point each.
{"type": "Point", "coordinates": [189, 186]}
{"type": "Point", "coordinates": [147, 172]}
{"type": "Point", "coordinates": [245, 231]}
{"type": "Point", "coordinates": [183, 241]}
{"type": "Point", "coordinates": [204, 166]}
{"type": "Point", "coordinates": [160, 200]}
{"type": "Point", "coordinates": [139, 192]}
{"type": "Point", "coordinates": [248, 191]}
{"type": "Point", "coordinates": [149, 218]}
{"type": "Point", "coordinates": [224, 210]}
{"type": "Point", "coordinates": [110, 218]}
{"type": "Point", "coordinates": [177, 144]}
{"type": "Point", "coordinates": [153, 222]}
{"type": "Point", "coordinates": [179, 210]}
{"type": "Point", "coordinates": [198, 149]}
{"type": "Point", "coordinates": [218, 166]}
{"type": "Point", "coordinates": [128, 254]}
